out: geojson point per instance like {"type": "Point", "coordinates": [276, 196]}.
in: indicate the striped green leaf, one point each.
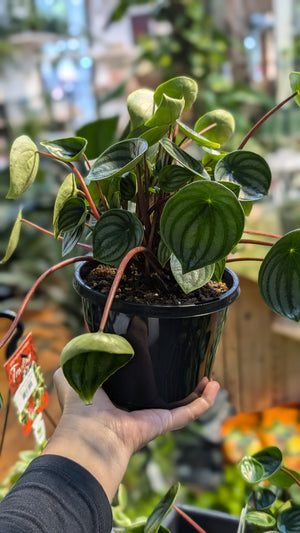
{"type": "Point", "coordinates": [90, 359]}
{"type": "Point", "coordinates": [72, 214]}
{"type": "Point", "coordinates": [161, 510]}
{"type": "Point", "coordinates": [68, 149]}
{"type": "Point", "coordinates": [201, 224]}
{"type": "Point", "coordinates": [186, 160]}
{"type": "Point", "coordinates": [172, 177]}
{"type": "Point", "coordinates": [116, 232]}
{"type": "Point", "coordinates": [23, 166]}
{"type": "Point", "coordinates": [67, 190]}
{"type": "Point", "coordinates": [289, 520]}
{"type": "Point", "coordinates": [128, 186]}
{"type": "Point", "coordinates": [247, 169]}
{"type": "Point", "coordinates": [118, 159]}
{"type": "Point", "coordinates": [279, 276]}
{"type": "Point", "coordinates": [192, 280]}
{"type": "Point", "coordinates": [71, 238]}
{"type": "Point", "coordinates": [261, 519]}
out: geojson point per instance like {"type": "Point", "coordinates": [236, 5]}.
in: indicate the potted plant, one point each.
{"type": "Point", "coordinates": [156, 218]}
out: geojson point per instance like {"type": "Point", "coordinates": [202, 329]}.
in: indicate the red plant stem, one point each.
{"type": "Point", "coordinates": [189, 519]}
{"type": "Point", "coordinates": [116, 282]}
{"type": "Point", "coordinates": [87, 161]}
{"type": "Point", "coordinates": [34, 287]}
{"type": "Point", "coordinates": [286, 471]}
{"type": "Point", "coordinates": [102, 196]}
{"type": "Point", "coordinates": [253, 241]}
{"type": "Point", "coordinates": [43, 230]}
{"type": "Point", "coordinates": [82, 182]}
{"type": "Point", "coordinates": [264, 118]}
{"type": "Point", "coordinates": [233, 259]}
{"type": "Point", "coordinates": [254, 232]}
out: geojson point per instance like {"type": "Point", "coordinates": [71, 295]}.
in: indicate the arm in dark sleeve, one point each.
{"type": "Point", "coordinates": [58, 495]}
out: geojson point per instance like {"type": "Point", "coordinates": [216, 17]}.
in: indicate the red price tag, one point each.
{"type": "Point", "coordinates": [27, 386]}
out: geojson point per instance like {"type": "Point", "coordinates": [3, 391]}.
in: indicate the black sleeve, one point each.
{"type": "Point", "coordinates": [58, 495]}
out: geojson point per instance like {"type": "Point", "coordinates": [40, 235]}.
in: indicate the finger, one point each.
{"type": "Point", "coordinates": [181, 416]}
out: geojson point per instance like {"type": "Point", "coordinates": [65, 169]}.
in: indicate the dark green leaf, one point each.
{"type": "Point", "coordinates": [72, 214]}
{"type": "Point", "coordinates": [295, 85]}
{"type": "Point", "coordinates": [70, 239]}
{"type": "Point", "coordinates": [23, 166]}
{"type": "Point", "coordinates": [99, 134]}
{"type": "Point", "coordinates": [289, 520]}
{"type": "Point", "coordinates": [90, 359]}
{"type": "Point", "coordinates": [13, 239]}
{"type": "Point", "coordinates": [260, 519]}
{"type": "Point", "coordinates": [161, 510]}
{"type": "Point", "coordinates": [247, 207]}
{"type": "Point", "coordinates": [247, 169]}
{"type": "Point", "coordinates": [223, 129]}
{"type": "Point", "coordinates": [67, 190]}
{"type": "Point", "coordinates": [68, 149]}
{"type": "Point", "coordinates": [261, 465]}
{"type": "Point", "coordinates": [116, 233]}
{"type": "Point", "coordinates": [192, 280]}
{"type": "Point", "coordinates": [186, 160]}
{"type": "Point", "coordinates": [118, 159]}
{"type": "Point", "coordinates": [128, 186]}
{"type": "Point", "coordinates": [163, 253]}
{"type": "Point", "coordinates": [219, 270]}
{"type": "Point", "coordinates": [199, 139]}
{"type": "Point", "coordinates": [1, 400]}
{"type": "Point", "coordinates": [279, 276]}
{"type": "Point", "coordinates": [172, 177]}
{"type": "Point", "coordinates": [180, 87]}
{"type": "Point", "coordinates": [262, 499]}
{"type": "Point", "coordinates": [201, 224]}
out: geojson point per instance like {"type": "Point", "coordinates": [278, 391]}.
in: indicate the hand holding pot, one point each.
{"type": "Point", "coordinates": [101, 438]}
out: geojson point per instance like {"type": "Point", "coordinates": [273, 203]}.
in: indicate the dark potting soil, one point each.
{"type": "Point", "coordinates": [134, 287]}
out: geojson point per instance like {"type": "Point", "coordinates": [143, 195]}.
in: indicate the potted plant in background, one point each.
{"type": "Point", "coordinates": [158, 223]}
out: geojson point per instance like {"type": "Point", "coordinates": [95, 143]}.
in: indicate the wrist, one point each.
{"type": "Point", "coordinates": [97, 449]}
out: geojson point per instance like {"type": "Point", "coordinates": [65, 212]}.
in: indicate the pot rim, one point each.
{"type": "Point", "coordinates": [158, 310]}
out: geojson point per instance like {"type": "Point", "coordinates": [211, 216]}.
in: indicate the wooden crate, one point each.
{"type": "Point", "coordinates": [258, 360]}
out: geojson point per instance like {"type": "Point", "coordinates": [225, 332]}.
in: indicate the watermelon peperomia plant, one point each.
{"type": "Point", "coordinates": [149, 193]}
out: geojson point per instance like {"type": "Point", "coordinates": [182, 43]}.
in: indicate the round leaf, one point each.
{"type": "Point", "coordinates": [251, 470]}
{"type": "Point", "coordinates": [201, 224]}
{"type": "Point", "coordinates": [186, 160]}
{"type": "Point", "coordinates": [192, 280]}
{"type": "Point", "coordinates": [295, 85]}
{"type": "Point", "coordinates": [289, 520]}
{"type": "Point", "coordinates": [247, 169]}
{"type": "Point", "coordinates": [260, 519]}
{"type": "Point", "coordinates": [13, 239]}
{"type": "Point", "coordinates": [270, 459]}
{"type": "Point", "coordinates": [161, 510]}
{"type": "Point", "coordinates": [118, 159]}
{"type": "Point", "coordinates": [179, 87]}
{"type": "Point", "coordinates": [199, 139]}
{"type": "Point", "coordinates": [172, 177]}
{"type": "Point", "coordinates": [223, 129]}
{"type": "Point", "coordinates": [279, 276]}
{"type": "Point", "coordinates": [168, 111]}
{"type": "Point", "coordinates": [116, 232]}
{"type": "Point", "coordinates": [23, 166]}
{"type": "Point", "coordinates": [264, 498]}
{"type": "Point", "coordinates": [69, 149]}
{"type": "Point", "coordinates": [128, 186]}
{"type": "Point", "coordinates": [90, 359]}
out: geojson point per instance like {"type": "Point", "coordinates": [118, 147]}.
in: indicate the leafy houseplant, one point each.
{"type": "Point", "coordinates": [176, 215]}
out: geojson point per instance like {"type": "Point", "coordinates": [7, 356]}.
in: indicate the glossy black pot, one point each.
{"type": "Point", "coordinates": [211, 521]}
{"type": "Point", "coordinates": [174, 346]}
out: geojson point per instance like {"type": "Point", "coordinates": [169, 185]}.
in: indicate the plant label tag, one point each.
{"type": "Point", "coordinates": [28, 388]}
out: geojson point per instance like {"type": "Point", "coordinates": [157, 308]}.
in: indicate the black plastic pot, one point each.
{"type": "Point", "coordinates": [211, 521]}
{"type": "Point", "coordinates": [174, 346]}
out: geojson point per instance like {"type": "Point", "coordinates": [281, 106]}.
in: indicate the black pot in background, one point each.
{"type": "Point", "coordinates": [174, 346]}
{"type": "Point", "coordinates": [211, 521]}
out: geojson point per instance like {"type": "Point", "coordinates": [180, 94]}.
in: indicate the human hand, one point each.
{"type": "Point", "coordinates": [102, 438]}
